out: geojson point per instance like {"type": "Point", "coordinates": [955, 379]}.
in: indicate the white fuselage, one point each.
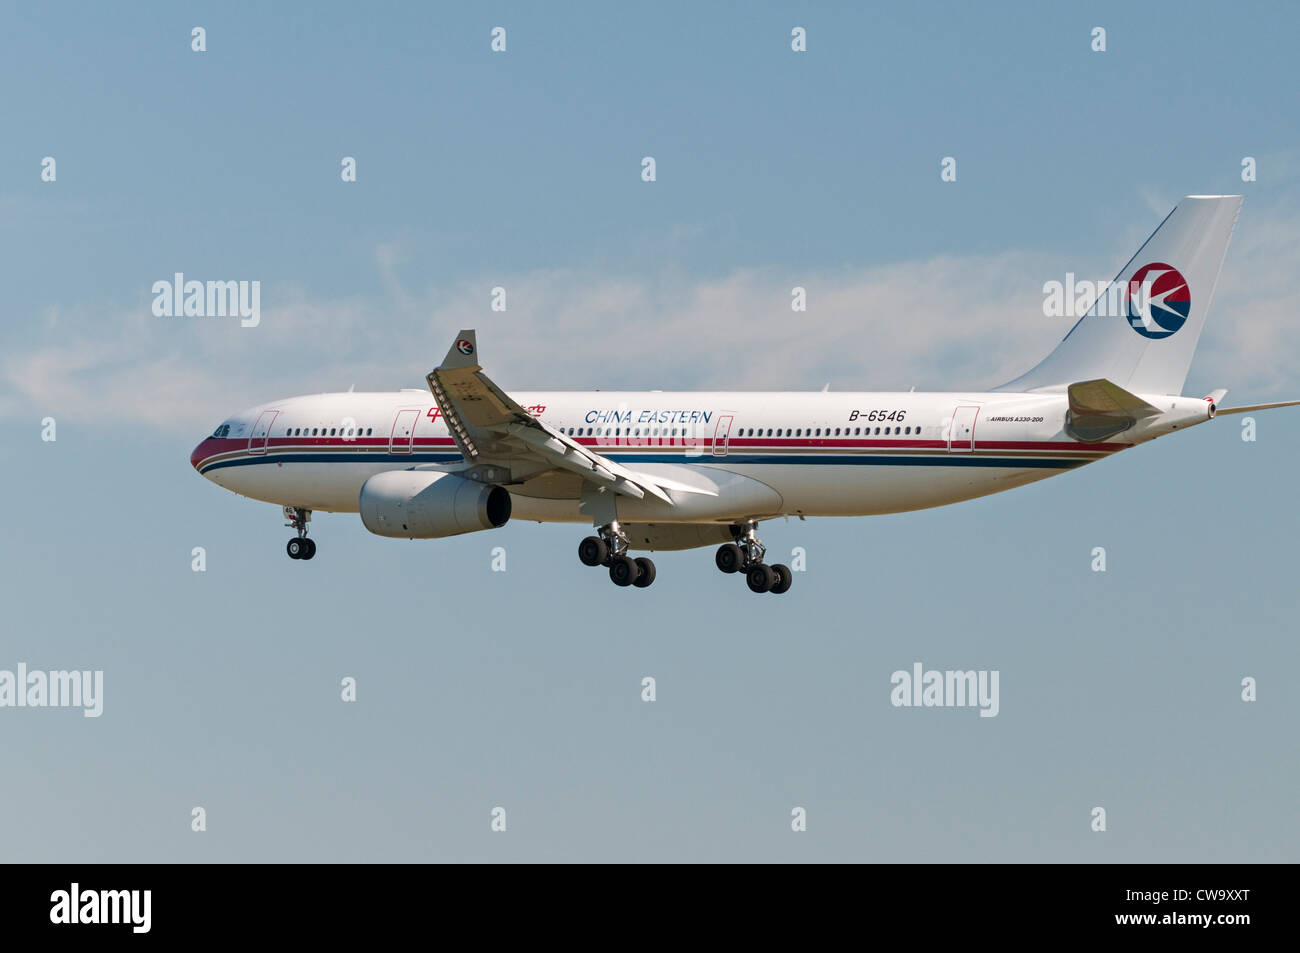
{"type": "Point", "coordinates": [753, 455]}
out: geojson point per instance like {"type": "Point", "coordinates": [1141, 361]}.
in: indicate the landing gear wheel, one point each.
{"type": "Point", "coordinates": [783, 578]}
{"type": "Point", "coordinates": [760, 578]}
{"type": "Point", "coordinates": [730, 557]}
{"type": "Point", "coordinates": [296, 548]}
{"type": "Point", "coordinates": [311, 548]}
{"type": "Point", "coordinates": [645, 572]}
{"type": "Point", "coordinates": [593, 551]}
{"type": "Point", "coordinates": [623, 570]}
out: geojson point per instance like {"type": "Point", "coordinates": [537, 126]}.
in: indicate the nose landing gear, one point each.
{"type": "Point", "coordinates": [300, 547]}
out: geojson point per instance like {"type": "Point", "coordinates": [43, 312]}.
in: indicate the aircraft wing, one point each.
{"type": "Point", "coordinates": [490, 427]}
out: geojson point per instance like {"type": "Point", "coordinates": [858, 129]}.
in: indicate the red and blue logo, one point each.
{"type": "Point", "coordinates": [465, 347]}
{"type": "Point", "coordinates": [1159, 300]}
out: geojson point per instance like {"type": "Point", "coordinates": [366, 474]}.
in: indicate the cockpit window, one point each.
{"type": "Point", "coordinates": [222, 431]}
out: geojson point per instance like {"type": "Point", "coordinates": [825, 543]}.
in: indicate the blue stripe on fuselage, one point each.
{"type": "Point", "coordinates": [737, 458]}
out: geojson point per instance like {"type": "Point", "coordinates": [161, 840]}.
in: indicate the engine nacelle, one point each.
{"type": "Point", "coordinates": [427, 504]}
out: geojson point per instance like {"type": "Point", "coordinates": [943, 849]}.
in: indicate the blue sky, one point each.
{"type": "Point", "coordinates": [522, 688]}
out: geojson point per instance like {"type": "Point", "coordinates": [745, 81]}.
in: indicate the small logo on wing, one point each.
{"type": "Point", "coordinates": [465, 347]}
{"type": "Point", "coordinates": [1159, 300]}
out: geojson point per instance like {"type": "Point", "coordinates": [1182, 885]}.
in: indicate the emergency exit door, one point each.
{"type": "Point", "coordinates": [722, 435]}
{"type": "Point", "coordinates": [261, 431]}
{"type": "Point", "coordinates": [961, 435]}
{"type": "Point", "coordinates": [403, 431]}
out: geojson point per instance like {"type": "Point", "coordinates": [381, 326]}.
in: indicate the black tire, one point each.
{"type": "Point", "coordinates": [783, 578]}
{"type": "Point", "coordinates": [730, 557]}
{"type": "Point", "coordinates": [623, 570]}
{"type": "Point", "coordinates": [645, 572]}
{"type": "Point", "coordinates": [311, 548]}
{"type": "Point", "coordinates": [593, 551]}
{"type": "Point", "coordinates": [760, 577]}
{"type": "Point", "coordinates": [295, 548]}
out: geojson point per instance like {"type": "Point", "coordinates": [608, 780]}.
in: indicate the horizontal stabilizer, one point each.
{"type": "Point", "coordinates": [1253, 407]}
{"type": "Point", "coordinates": [1101, 409]}
{"type": "Point", "coordinates": [1101, 397]}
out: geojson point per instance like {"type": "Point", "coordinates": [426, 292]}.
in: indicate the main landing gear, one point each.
{"type": "Point", "coordinates": [746, 554]}
{"type": "Point", "coordinates": [300, 547]}
{"type": "Point", "coordinates": [609, 548]}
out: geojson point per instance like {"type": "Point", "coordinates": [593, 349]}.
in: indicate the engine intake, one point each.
{"type": "Point", "coordinates": [425, 504]}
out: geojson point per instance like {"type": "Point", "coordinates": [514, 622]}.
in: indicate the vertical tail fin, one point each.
{"type": "Point", "coordinates": [1142, 335]}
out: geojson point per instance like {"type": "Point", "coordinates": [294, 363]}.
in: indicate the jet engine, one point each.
{"type": "Point", "coordinates": [428, 504]}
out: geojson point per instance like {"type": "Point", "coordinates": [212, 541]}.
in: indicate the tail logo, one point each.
{"type": "Point", "coordinates": [1159, 300]}
{"type": "Point", "coordinates": [465, 347]}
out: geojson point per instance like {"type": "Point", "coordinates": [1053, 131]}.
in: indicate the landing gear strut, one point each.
{"type": "Point", "coordinates": [300, 547]}
{"type": "Point", "coordinates": [609, 548]}
{"type": "Point", "coordinates": [745, 556]}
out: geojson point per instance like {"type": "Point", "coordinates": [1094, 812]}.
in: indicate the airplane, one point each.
{"type": "Point", "coordinates": [659, 471]}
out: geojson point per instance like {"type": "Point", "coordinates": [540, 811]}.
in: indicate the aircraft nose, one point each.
{"type": "Point", "coordinates": [200, 453]}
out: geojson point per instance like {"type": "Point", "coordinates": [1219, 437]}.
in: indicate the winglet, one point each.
{"type": "Point", "coordinates": [463, 352]}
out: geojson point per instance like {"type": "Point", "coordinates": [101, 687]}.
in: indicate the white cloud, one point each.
{"type": "Point", "coordinates": [946, 323]}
